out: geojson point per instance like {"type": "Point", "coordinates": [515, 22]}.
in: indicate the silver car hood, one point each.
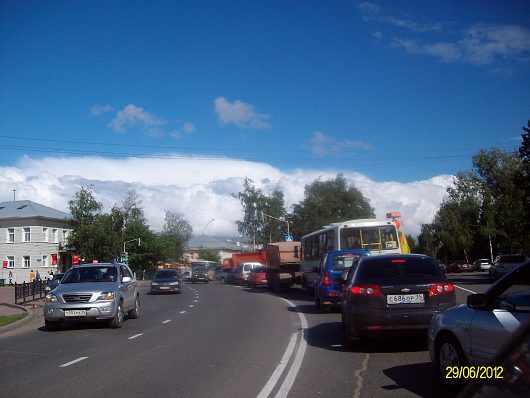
{"type": "Point", "coordinates": [88, 287]}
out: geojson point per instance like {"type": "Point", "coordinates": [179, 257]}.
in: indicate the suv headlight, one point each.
{"type": "Point", "coordinates": [50, 298]}
{"type": "Point", "coordinates": [106, 296]}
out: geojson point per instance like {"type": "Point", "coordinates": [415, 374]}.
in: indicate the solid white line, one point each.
{"type": "Point", "coordinates": [280, 368]}
{"type": "Point", "coordinates": [191, 306]}
{"type": "Point", "coordinates": [167, 321]}
{"type": "Point", "coordinates": [182, 312]}
{"type": "Point", "coordinates": [297, 363]}
{"type": "Point", "coordinates": [135, 336]}
{"type": "Point", "coordinates": [470, 291]}
{"type": "Point", "coordinates": [64, 365]}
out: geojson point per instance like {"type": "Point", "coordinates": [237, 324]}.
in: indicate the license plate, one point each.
{"type": "Point", "coordinates": [405, 299]}
{"type": "Point", "coordinates": [164, 287]}
{"type": "Point", "coordinates": [75, 313]}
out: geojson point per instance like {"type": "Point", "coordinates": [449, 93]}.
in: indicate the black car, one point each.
{"type": "Point", "coordinates": [167, 281]}
{"type": "Point", "coordinates": [393, 294]}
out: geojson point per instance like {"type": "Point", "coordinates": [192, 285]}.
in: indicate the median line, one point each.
{"type": "Point", "coordinates": [467, 290]}
{"type": "Point", "coordinates": [182, 312]}
{"type": "Point", "coordinates": [135, 336]}
{"type": "Point", "coordinates": [64, 365]}
{"type": "Point", "coordinates": [167, 321]}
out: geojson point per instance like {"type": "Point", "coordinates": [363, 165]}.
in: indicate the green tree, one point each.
{"type": "Point", "coordinates": [210, 255]}
{"type": "Point", "coordinates": [176, 232]}
{"type": "Point", "coordinates": [84, 210]}
{"type": "Point", "coordinates": [262, 214]}
{"type": "Point", "coordinates": [327, 202]}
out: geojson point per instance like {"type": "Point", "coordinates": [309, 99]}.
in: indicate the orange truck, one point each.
{"type": "Point", "coordinates": [237, 259]}
{"type": "Point", "coordinates": [283, 265]}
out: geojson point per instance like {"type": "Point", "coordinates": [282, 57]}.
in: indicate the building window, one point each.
{"type": "Point", "coordinates": [65, 236]}
{"type": "Point", "coordinates": [55, 235]}
{"type": "Point", "coordinates": [45, 262]}
{"type": "Point", "coordinates": [27, 261]}
{"type": "Point", "coordinates": [27, 234]}
{"type": "Point", "coordinates": [45, 237]}
{"type": "Point", "coordinates": [10, 261]}
{"type": "Point", "coordinates": [11, 235]}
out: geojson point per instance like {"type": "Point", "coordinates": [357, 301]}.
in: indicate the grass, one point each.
{"type": "Point", "coordinates": [7, 319]}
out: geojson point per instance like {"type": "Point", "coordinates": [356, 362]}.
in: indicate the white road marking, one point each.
{"type": "Point", "coordinates": [191, 306]}
{"type": "Point", "coordinates": [167, 321]}
{"type": "Point", "coordinates": [297, 363]}
{"type": "Point", "coordinates": [470, 291]}
{"type": "Point", "coordinates": [280, 368]}
{"type": "Point", "coordinates": [195, 301]}
{"type": "Point", "coordinates": [182, 312]}
{"type": "Point", "coordinates": [64, 365]}
{"type": "Point", "coordinates": [135, 336]}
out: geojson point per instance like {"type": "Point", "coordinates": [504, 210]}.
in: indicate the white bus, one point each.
{"type": "Point", "coordinates": [378, 236]}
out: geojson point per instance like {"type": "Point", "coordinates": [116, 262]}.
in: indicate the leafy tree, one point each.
{"type": "Point", "coordinates": [176, 232]}
{"type": "Point", "coordinates": [262, 214]}
{"type": "Point", "coordinates": [327, 202]}
{"type": "Point", "coordinates": [210, 255]}
{"type": "Point", "coordinates": [85, 209]}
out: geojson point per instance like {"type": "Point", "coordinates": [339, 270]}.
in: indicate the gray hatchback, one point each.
{"type": "Point", "coordinates": [91, 292]}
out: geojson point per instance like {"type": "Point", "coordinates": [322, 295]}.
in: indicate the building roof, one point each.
{"type": "Point", "coordinates": [28, 209]}
{"type": "Point", "coordinates": [207, 242]}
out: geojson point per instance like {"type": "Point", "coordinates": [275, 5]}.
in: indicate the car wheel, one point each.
{"type": "Point", "coordinates": [133, 314]}
{"type": "Point", "coordinates": [449, 353]}
{"type": "Point", "coordinates": [117, 321]}
{"type": "Point", "coordinates": [52, 326]}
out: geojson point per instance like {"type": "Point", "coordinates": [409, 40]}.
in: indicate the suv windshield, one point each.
{"type": "Point", "coordinates": [199, 268]}
{"type": "Point", "coordinates": [392, 270]}
{"type": "Point", "coordinates": [91, 274]}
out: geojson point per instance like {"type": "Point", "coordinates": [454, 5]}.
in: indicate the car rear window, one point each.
{"type": "Point", "coordinates": [391, 270]}
{"type": "Point", "coordinates": [516, 258]}
{"type": "Point", "coordinates": [341, 262]}
{"type": "Point", "coordinates": [166, 274]}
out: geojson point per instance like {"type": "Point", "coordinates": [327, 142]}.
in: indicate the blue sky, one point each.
{"type": "Point", "coordinates": [399, 91]}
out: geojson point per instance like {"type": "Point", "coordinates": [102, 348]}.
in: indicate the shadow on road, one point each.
{"type": "Point", "coordinates": [417, 378]}
{"type": "Point", "coordinates": [469, 279]}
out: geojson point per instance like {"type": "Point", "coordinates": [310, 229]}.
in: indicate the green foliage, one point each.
{"type": "Point", "coordinates": [263, 215]}
{"type": "Point", "coordinates": [327, 202]}
{"type": "Point", "coordinates": [209, 255]}
{"type": "Point", "coordinates": [176, 233]}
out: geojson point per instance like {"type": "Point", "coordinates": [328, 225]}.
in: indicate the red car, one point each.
{"type": "Point", "coordinates": [257, 277]}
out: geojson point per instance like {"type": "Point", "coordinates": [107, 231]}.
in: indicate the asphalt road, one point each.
{"type": "Point", "coordinates": [219, 341]}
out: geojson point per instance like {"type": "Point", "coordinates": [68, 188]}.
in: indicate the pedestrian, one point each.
{"type": "Point", "coordinates": [10, 278]}
{"type": "Point", "coordinates": [50, 275]}
{"type": "Point", "coordinates": [32, 276]}
{"type": "Point", "coordinates": [37, 276]}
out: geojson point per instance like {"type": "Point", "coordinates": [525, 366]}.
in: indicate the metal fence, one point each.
{"type": "Point", "coordinates": [29, 291]}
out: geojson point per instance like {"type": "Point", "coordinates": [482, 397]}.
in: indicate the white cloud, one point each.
{"type": "Point", "coordinates": [200, 190]}
{"type": "Point", "coordinates": [241, 114]}
{"type": "Point", "coordinates": [133, 115]}
{"type": "Point", "coordinates": [187, 129]}
{"type": "Point", "coordinates": [98, 110]}
{"type": "Point", "coordinates": [325, 144]}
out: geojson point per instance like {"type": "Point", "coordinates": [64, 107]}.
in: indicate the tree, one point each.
{"type": "Point", "coordinates": [327, 202]}
{"type": "Point", "coordinates": [84, 209]}
{"type": "Point", "coordinates": [262, 214]}
{"type": "Point", "coordinates": [210, 255]}
{"type": "Point", "coordinates": [176, 232]}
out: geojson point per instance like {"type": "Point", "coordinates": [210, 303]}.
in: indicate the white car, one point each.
{"type": "Point", "coordinates": [472, 334]}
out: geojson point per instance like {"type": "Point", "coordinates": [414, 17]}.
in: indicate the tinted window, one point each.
{"type": "Point", "coordinates": [398, 270]}
{"type": "Point", "coordinates": [341, 262]}
{"type": "Point", "coordinates": [166, 274]}
{"type": "Point", "coordinates": [90, 274]}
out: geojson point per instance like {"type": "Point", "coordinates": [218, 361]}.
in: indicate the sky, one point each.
{"type": "Point", "coordinates": [182, 101]}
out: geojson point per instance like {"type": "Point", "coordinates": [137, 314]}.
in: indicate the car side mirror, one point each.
{"type": "Point", "coordinates": [477, 301]}
{"type": "Point", "coordinates": [126, 279]}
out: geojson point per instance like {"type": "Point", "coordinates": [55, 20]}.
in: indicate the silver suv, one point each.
{"type": "Point", "coordinates": [91, 292]}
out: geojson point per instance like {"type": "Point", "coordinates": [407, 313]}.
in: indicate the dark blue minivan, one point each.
{"type": "Point", "coordinates": [332, 265]}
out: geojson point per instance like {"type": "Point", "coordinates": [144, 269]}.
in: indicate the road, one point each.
{"type": "Point", "coordinates": [219, 341]}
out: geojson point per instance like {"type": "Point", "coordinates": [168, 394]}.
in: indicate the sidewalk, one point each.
{"type": "Point", "coordinates": [8, 307]}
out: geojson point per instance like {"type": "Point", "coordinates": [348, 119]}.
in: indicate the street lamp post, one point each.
{"type": "Point", "coordinates": [206, 226]}
{"type": "Point", "coordinates": [128, 241]}
{"type": "Point", "coordinates": [282, 219]}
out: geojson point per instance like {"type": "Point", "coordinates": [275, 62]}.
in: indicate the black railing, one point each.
{"type": "Point", "coordinates": [29, 291]}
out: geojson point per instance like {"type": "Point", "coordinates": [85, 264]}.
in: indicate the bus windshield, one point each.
{"type": "Point", "coordinates": [382, 237]}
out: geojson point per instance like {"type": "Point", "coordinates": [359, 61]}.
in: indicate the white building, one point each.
{"type": "Point", "coordinates": [32, 237]}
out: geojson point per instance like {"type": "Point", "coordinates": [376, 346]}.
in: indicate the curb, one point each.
{"type": "Point", "coordinates": [21, 322]}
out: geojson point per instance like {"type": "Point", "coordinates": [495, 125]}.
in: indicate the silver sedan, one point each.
{"type": "Point", "coordinates": [471, 335]}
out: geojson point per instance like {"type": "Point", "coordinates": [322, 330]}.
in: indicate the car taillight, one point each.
{"type": "Point", "coordinates": [325, 281]}
{"type": "Point", "coordinates": [441, 288]}
{"type": "Point", "coordinates": [366, 290]}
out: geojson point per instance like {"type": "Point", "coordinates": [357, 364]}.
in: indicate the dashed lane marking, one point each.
{"type": "Point", "coordinates": [64, 365]}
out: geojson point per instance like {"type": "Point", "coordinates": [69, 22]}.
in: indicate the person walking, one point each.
{"type": "Point", "coordinates": [32, 276]}
{"type": "Point", "coordinates": [10, 278]}
{"type": "Point", "coordinates": [37, 276]}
